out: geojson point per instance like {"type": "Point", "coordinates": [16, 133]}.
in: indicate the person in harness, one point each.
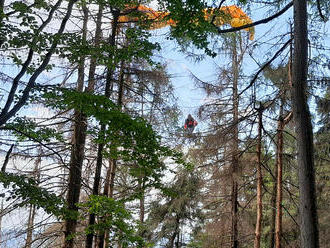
{"type": "Point", "coordinates": [190, 124]}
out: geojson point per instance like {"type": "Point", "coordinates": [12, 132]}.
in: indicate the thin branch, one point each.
{"type": "Point", "coordinates": [268, 19]}
{"type": "Point", "coordinates": [27, 62]}
{"type": "Point", "coordinates": [320, 10]}
{"type": "Point", "coordinates": [35, 140]}
{"type": "Point", "coordinates": [265, 65]}
{"type": "Point", "coordinates": [3, 168]}
{"type": "Point", "coordinates": [6, 116]}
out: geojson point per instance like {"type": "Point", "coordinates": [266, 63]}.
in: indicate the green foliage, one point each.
{"type": "Point", "coordinates": [26, 16]}
{"type": "Point", "coordinates": [27, 190]}
{"type": "Point", "coordinates": [191, 26]}
{"type": "Point", "coordinates": [180, 205]}
{"type": "Point", "coordinates": [25, 129]}
{"type": "Point", "coordinates": [113, 217]}
{"type": "Point", "coordinates": [138, 47]}
{"type": "Point", "coordinates": [21, 28]}
{"type": "Point", "coordinates": [131, 139]}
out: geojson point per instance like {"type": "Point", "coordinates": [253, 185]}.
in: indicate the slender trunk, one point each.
{"type": "Point", "coordinates": [1, 214]}
{"type": "Point", "coordinates": [273, 209]}
{"type": "Point", "coordinates": [81, 66]}
{"type": "Point", "coordinates": [78, 150]}
{"type": "Point", "coordinates": [32, 210]}
{"type": "Point", "coordinates": [75, 167]}
{"type": "Point", "coordinates": [259, 183]}
{"type": "Point", "coordinates": [177, 243]}
{"type": "Point", "coordinates": [112, 177]}
{"type": "Point", "coordinates": [175, 233]}
{"type": "Point", "coordinates": [29, 234]}
{"type": "Point", "coordinates": [275, 191]}
{"type": "Point", "coordinates": [141, 201]}
{"type": "Point", "coordinates": [109, 81]}
{"type": "Point", "coordinates": [90, 88]}
{"type": "Point", "coordinates": [111, 173]}
{"type": "Point", "coordinates": [279, 164]}
{"type": "Point", "coordinates": [142, 210]}
{"type": "Point", "coordinates": [309, 235]}
{"type": "Point", "coordinates": [235, 151]}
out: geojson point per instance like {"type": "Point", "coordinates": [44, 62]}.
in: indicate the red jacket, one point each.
{"type": "Point", "coordinates": [190, 123]}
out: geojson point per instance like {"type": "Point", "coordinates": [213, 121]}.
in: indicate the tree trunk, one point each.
{"type": "Point", "coordinates": [78, 147]}
{"type": "Point", "coordinates": [235, 151]}
{"type": "Point", "coordinates": [175, 233]}
{"type": "Point", "coordinates": [271, 234]}
{"type": "Point", "coordinates": [259, 182]}
{"type": "Point", "coordinates": [279, 164]}
{"type": "Point", "coordinates": [1, 214]}
{"type": "Point", "coordinates": [109, 82]}
{"type": "Point", "coordinates": [29, 234]}
{"type": "Point", "coordinates": [271, 243]}
{"type": "Point", "coordinates": [309, 235]}
{"type": "Point", "coordinates": [75, 167]}
{"type": "Point", "coordinates": [142, 210]}
{"type": "Point", "coordinates": [32, 210]}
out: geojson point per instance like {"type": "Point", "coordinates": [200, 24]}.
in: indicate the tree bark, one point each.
{"type": "Point", "coordinates": [309, 235]}
{"type": "Point", "coordinates": [78, 147]}
{"type": "Point", "coordinates": [75, 167]}
{"type": "Point", "coordinates": [109, 82]}
{"type": "Point", "coordinates": [235, 150]}
{"type": "Point", "coordinates": [28, 241]}
{"type": "Point", "coordinates": [91, 220]}
{"type": "Point", "coordinates": [175, 233]}
{"type": "Point", "coordinates": [279, 164]}
{"type": "Point", "coordinates": [142, 210]}
{"type": "Point", "coordinates": [1, 214]}
{"type": "Point", "coordinates": [274, 191]}
{"type": "Point", "coordinates": [271, 234]}
{"type": "Point", "coordinates": [259, 182]}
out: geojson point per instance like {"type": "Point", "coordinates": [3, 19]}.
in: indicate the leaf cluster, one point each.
{"type": "Point", "coordinates": [28, 192]}
{"type": "Point", "coordinates": [114, 218]}
{"type": "Point", "coordinates": [130, 139]}
{"type": "Point", "coordinates": [24, 129]}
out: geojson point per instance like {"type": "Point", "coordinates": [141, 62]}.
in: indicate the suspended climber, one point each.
{"type": "Point", "coordinates": [190, 124]}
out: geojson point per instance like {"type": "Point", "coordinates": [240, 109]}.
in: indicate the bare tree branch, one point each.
{"type": "Point", "coordinates": [4, 117]}
{"type": "Point", "coordinates": [265, 65]}
{"type": "Point", "coordinates": [268, 19]}
{"type": "Point", "coordinates": [27, 62]}
{"type": "Point", "coordinates": [3, 168]}
{"type": "Point", "coordinates": [320, 10]}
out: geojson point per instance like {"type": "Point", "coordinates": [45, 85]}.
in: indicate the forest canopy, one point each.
{"type": "Point", "coordinates": [95, 149]}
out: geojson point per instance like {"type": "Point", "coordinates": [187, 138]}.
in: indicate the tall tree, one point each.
{"type": "Point", "coordinates": [79, 136]}
{"type": "Point", "coordinates": [309, 234]}
{"type": "Point", "coordinates": [259, 180]}
{"type": "Point", "coordinates": [235, 144]}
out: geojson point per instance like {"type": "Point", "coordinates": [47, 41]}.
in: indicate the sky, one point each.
{"type": "Point", "coordinates": [180, 68]}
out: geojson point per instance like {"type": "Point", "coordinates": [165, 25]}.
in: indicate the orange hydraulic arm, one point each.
{"type": "Point", "coordinates": [231, 15]}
